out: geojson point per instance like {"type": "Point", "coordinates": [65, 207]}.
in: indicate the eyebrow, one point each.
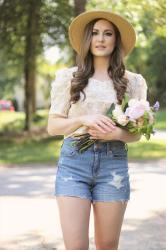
{"type": "Point", "coordinates": [104, 30]}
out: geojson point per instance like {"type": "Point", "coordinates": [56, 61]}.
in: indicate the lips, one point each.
{"type": "Point", "coordinates": [100, 47]}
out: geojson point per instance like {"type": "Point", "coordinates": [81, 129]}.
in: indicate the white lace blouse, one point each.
{"type": "Point", "coordinates": [99, 96]}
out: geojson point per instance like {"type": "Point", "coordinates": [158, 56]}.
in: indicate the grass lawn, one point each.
{"type": "Point", "coordinates": [161, 119]}
{"type": "Point", "coordinates": [16, 151]}
{"type": "Point", "coordinates": [147, 150]}
{"type": "Point", "coordinates": [14, 121]}
{"type": "Point", "coordinates": [46, 150]}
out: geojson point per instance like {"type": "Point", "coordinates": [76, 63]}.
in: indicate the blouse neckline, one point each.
{"type": "Point", "coordinates": [99, 81]}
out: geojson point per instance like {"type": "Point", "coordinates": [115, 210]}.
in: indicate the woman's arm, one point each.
{"type": "Point", "coordinates": [127, 136]}
{"type": "Point", "coordinates": [62, 126]}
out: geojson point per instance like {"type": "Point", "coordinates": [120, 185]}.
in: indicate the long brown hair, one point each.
{"type": "Point", "coordinates": [85, 70]}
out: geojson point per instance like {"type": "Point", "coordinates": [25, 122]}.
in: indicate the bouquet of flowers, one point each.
{"type": "Point", "coordinates": [136, 116]}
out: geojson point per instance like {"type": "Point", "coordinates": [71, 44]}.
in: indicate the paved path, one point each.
{"type": "Point", "coordinates": [159, 134]}
{"type": "Point", "coordinates": [29, 215]}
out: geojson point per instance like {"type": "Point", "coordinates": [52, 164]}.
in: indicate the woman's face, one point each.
{"type": "Point", "coordinates": [103, 38]}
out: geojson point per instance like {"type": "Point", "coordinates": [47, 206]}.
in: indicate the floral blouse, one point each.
{"type": "Point", "coordinates": [99, 96]}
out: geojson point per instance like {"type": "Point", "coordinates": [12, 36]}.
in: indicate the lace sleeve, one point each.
{"type": "Point", "coordinates": [60, 93]}
{"type": "Point", "coordinates": [138, 87]}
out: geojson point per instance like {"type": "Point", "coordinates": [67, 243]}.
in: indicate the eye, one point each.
{"type": "Point", "coordinates": [94, 33]}
{"type": "Point", "coordinates": [109, 34]}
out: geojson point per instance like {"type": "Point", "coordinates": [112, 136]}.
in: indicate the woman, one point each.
{"type": "Point", "coordinates": [80, 97]}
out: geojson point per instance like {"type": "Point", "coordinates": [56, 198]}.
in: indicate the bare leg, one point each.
{"type": "Point", "coordinates": [108, 218]}
{"type": "Point", "coordinates": [74, 217]}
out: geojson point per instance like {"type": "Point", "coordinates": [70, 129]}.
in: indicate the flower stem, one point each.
{"type": "Point", "coordinates": [82, 149]}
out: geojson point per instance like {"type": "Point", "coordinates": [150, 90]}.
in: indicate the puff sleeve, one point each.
{"type": "Point", "coordinates": [60, 93]}
{"type": "Point", "coordinates": [138, 87]}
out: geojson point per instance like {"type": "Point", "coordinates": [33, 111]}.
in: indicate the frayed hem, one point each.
{"type": "Point", "coordinates": [68, 195]}
{"type": "Point", "coordinates": [122, 201]}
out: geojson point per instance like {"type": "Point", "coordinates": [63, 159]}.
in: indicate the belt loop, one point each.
{"type": "Point", "coordinates": [107, 148]}
{"type": "Point", "coordinates": [126, 146]}
{"type": "Point", "coordinates": [62, 143]}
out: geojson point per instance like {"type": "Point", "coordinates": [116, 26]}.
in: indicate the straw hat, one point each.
{"type": "Point", "coordinates": [76, 28]}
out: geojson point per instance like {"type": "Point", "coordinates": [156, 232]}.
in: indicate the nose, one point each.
{"type": "Point", "coordinates": [101, 37]}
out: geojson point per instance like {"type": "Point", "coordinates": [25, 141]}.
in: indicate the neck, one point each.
{"type": "Point", "coordinates": [101, 64]}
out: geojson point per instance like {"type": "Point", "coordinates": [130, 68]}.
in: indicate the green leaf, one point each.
{"type": "Point", "coordinates": [147, 136]}
{"type": "Point", "coordinates": [111, 108]}
{"type": "Point", "coordinates": [125, 101]}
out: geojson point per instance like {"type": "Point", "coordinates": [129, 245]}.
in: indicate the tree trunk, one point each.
{"type": "Point", "coordinates": [30, 61]}
{"type": "Point", "coordinates": [79, 7]}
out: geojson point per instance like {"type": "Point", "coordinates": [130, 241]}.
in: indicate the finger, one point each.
{"type": "Point", "coordinates": [106, 126]}
{"type": "Point", "coordinates": [93, 138]}
{"type": "Point", "coordinates": [100, 129]}
{"type": "Point", "coordinates": [110, 121]}
{"type": "Point", "coordinates": [92, 130]}
{"type": "Point", "coordinates": [93, 133]}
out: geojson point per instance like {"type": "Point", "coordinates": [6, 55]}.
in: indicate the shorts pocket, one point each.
{"type": "Point", "coordinates": [68, 150]}
{"type": "Point", "coordinates": [120, 152]}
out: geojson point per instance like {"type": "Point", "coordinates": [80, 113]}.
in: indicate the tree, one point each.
{"type": "Point", "coordinates": [148, 56]}
{"type": "Point", "coordinates": [26, 27]}
{"type": "Point", "coordinates": [32, 37]}
{"type": "Point", "coordinates": [79, 7]}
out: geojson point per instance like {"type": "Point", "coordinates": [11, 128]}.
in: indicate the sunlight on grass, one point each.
{"type": "Point", "coordinates": [47, 150]}
{"type": "Point", "coordinates": [14, 121]}
{"type": "Point", "coordinates": [143, 149]}
{"type": "Point", "coordinates": [11, 120]}
{"type": "Point", "coordinates": [29, 151]}
{"type": "Point", "coordinates": [161, 119]}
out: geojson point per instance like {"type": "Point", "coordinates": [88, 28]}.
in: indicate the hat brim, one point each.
{"type": "Point", "coordinates": [77, 26]}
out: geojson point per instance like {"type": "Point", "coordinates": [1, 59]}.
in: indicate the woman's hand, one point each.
{"type": "Point", "coordinates": [119, 134]}
{"type": "Point", "coordinates": [99, 123]}
{"type": "Point", "coordinates": [116, 134]}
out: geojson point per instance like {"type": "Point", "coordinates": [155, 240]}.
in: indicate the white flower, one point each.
{"type": "Point", "coordinates": [119, 115]}
{"type": "Point", "coordinates": [122, 119]}
{"type": "Point", "coordinates": [117, 111]}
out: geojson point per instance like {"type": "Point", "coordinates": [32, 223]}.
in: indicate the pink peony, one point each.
{"type": "Point", "coordinates": [136, 108]}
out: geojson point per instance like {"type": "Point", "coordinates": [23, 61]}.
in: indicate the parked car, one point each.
{"type": "Point", "coordinates": [6, 105]}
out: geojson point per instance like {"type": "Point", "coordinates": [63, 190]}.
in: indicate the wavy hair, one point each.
{"type": "Point", "coordinates": [85, 70]}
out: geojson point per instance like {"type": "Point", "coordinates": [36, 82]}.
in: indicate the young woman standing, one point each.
{"type": "Point", "coordinates": [80, 97]}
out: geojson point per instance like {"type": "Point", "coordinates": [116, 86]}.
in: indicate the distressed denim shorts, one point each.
{"type": "Point", "coordinates": [99, 174]}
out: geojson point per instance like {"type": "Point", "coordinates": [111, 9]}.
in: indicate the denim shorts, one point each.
{"type": "Point", "coordinates": [99, 174]}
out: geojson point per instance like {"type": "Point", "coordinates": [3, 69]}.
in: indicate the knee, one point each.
{"type": "Point", "coordinates": [107, 245]}
{"type": "Point", "coordinates": [77, 246]}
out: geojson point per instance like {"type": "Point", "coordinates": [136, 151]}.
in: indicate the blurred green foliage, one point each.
{"type": "Point", "coordinates": [147, 58]}
{"type": "Point", "coordinates": [14, 121]}
{"type": "Point", "coordinates": [46, 150]}
{"type": "Point", "coordinates": [17, 147]}
{"type": "Point", "coordinates": [29, 150]}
